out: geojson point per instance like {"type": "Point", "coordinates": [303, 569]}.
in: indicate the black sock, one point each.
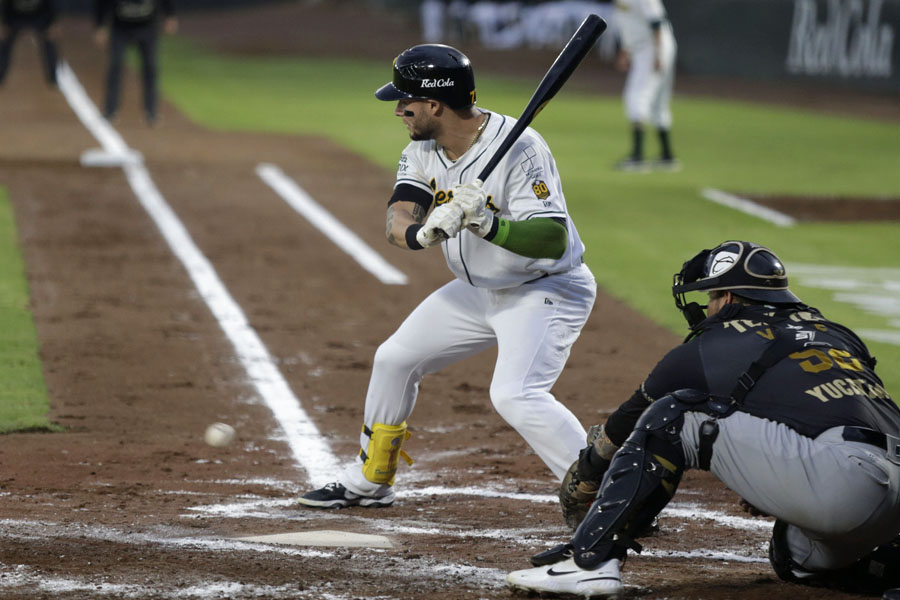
{"type": "Point", "coordinates": [637, 143]}
{"type": "Point", "coordinates": [666, 148]}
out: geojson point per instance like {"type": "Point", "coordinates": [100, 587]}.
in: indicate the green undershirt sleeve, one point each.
{"type": "Point", "coordinates": [535, 238]}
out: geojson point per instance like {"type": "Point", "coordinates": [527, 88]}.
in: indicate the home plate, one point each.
{"type": "Point", "coordinates": [96, 157]}
{"type": "Point", "coordinates": [326, 537]}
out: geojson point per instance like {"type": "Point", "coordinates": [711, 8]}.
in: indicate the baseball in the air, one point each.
{"type": "Point", "coordinates": [219, 435]}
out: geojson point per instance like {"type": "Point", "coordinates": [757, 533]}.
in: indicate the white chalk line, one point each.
{"type": "Point", "coordinates": [20, 576]}
{"type": "Point", "coordinates": [345, 239]}
{"type": "Point", "coordinates": [748, 207]}
{"type": "Point", "coordinates": [306, 443]}
{"type": "Point", "coordinates": [266, 508]}
{"type": "Point", "coordinates": [26, 530]}
{"type": "Point", "coordinates": [873, 290]}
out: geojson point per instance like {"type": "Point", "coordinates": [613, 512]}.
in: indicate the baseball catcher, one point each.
{"type": "Point", "coordinates": [779, 403]}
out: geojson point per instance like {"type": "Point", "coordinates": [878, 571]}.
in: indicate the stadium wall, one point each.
{"type": "Point", "coordinates": [839, 43]}
{"type": "Point", "coordinates": [850, 43]}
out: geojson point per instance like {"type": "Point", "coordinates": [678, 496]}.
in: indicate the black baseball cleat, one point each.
{"type": "Point", "coordinates": [335, 495]}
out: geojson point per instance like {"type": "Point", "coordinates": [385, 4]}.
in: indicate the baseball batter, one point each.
{"type": "Point", "coordinates": [780, 404]}
{"type": "Point", "coordinates": [520, 281]}
{"type": "Point", "coordinates": [647, 52]}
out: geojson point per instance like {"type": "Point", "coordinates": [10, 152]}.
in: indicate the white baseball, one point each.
{"type": "Point", "coordinates": [219, 435]}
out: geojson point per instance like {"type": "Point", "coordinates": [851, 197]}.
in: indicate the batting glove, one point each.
{"type": "Point", "coordinates": [428, 237]}
{"type": "Point", "coordinates": [444, 222]}
{"type": "Point", "coordinates": [473, 200]}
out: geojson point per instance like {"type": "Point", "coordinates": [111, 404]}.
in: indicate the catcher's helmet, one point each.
{"type": "Point", "coordinates": [744, 268]}
{"type": "Point", "coordinates": [431, 71]}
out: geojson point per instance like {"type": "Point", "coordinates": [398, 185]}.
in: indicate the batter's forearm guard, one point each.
{"type": "Point", "coordinates": [382, 457]}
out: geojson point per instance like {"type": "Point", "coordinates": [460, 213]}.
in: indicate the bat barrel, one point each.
{"type": "Point", "coordinates": [562, 68]}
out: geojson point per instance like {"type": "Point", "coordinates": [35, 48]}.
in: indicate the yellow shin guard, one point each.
{"type": "Point", "coordinates": [382, 457]}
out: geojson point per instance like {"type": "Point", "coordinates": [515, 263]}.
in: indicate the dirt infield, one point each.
{"type": "Point", "coordinates": [129, 502]}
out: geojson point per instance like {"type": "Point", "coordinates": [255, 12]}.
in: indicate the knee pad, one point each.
{"type": "Point", "coordinates": [780, 555]}
{"type": "Point", "coordinates": [382, 457]}
{"type": "Point", "coordinates": [642, 478]}
{"type": "Point", "coordinates": [871, 574]}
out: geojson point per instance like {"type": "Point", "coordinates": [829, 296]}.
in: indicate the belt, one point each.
{"type": "Point", "coordinates": [888, 443]}
{"type": "Point", "coordinates": [866, 436]}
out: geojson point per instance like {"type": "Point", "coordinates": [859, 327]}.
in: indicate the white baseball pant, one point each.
{"type": "Point", "coordinates": [533, 326]}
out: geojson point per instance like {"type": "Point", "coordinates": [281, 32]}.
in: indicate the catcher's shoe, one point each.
{"type": "Point", "coordinates": [568, 578]}
{"type": "Point", "coordinates": [335, 495]}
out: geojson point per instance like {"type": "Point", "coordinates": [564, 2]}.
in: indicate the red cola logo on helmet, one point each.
{"type": "Point", "coordinates": [437, 83]}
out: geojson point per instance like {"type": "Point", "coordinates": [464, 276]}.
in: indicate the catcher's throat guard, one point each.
{"type": "Point", "coordinates": [382, 457]}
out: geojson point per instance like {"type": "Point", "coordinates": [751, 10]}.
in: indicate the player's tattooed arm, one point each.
{"type": "Point", "coordinates": [400, 216]}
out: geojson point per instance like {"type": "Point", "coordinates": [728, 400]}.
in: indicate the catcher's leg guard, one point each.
{"type": "Point", "coordinates": [381, 458]}
{"type": "Point", "coordinates": [641, 480]}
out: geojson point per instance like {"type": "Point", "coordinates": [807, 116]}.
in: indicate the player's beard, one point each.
{"type": "Point", "coordinates": [422, 129]}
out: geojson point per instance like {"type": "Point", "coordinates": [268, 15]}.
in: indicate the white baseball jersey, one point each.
{"type": "Point", "coordinates": [524, 185]}
{"type": "Point", "coordinates": [633, 18]}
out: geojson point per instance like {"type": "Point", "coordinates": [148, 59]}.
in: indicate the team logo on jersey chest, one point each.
{"type": "Point", "coordinates": [443, 196]}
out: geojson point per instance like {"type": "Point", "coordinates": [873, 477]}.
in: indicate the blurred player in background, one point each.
{"type": "Point", "coordinates": [40, 17]}
{"type": "Point", "coordinates": [121, 23]}
{"type": "Point", "coordinates": [648, 54]}
{"type": "Point", "coordinates": [520, 283]}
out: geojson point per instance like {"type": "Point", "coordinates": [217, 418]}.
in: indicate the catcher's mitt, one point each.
{"type": "Point", "coordinates": [576, 497]}
{"type": "Point", "coordinates": [579, 487]}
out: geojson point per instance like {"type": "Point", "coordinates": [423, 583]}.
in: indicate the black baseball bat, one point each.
{"type": "Point", "coordinates": [565, 64]}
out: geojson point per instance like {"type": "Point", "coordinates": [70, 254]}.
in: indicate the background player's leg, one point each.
{"type": "Point", "coordinates": [117, 46]}
{"type": "Point", "coordinates": [147, 45]}
{"type": "Point", "coordinates": [636, 101]}
{"type": "Point", "coordinates": [660, 111]}
{"type": "Point", "coordinates": [49, 55]}
{"type": "Point", "coordinates": [6, 45]}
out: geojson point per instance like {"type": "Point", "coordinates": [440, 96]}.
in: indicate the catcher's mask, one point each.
{"type": "Point", "coordinates": [431, 71]}
{"type": "Point", "coordinates": [749, 270]}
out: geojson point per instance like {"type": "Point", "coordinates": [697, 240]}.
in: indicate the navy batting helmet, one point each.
{"type": "Point", "coordinates": [431, 71]}
{"type": "Point", "coordinates": [743, 268]}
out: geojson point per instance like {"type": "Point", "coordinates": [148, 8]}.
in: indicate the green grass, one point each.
{"type": "Point", "coordinates": [638, 228]}
{"type": "Point", "coordinates": [23, 396]}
